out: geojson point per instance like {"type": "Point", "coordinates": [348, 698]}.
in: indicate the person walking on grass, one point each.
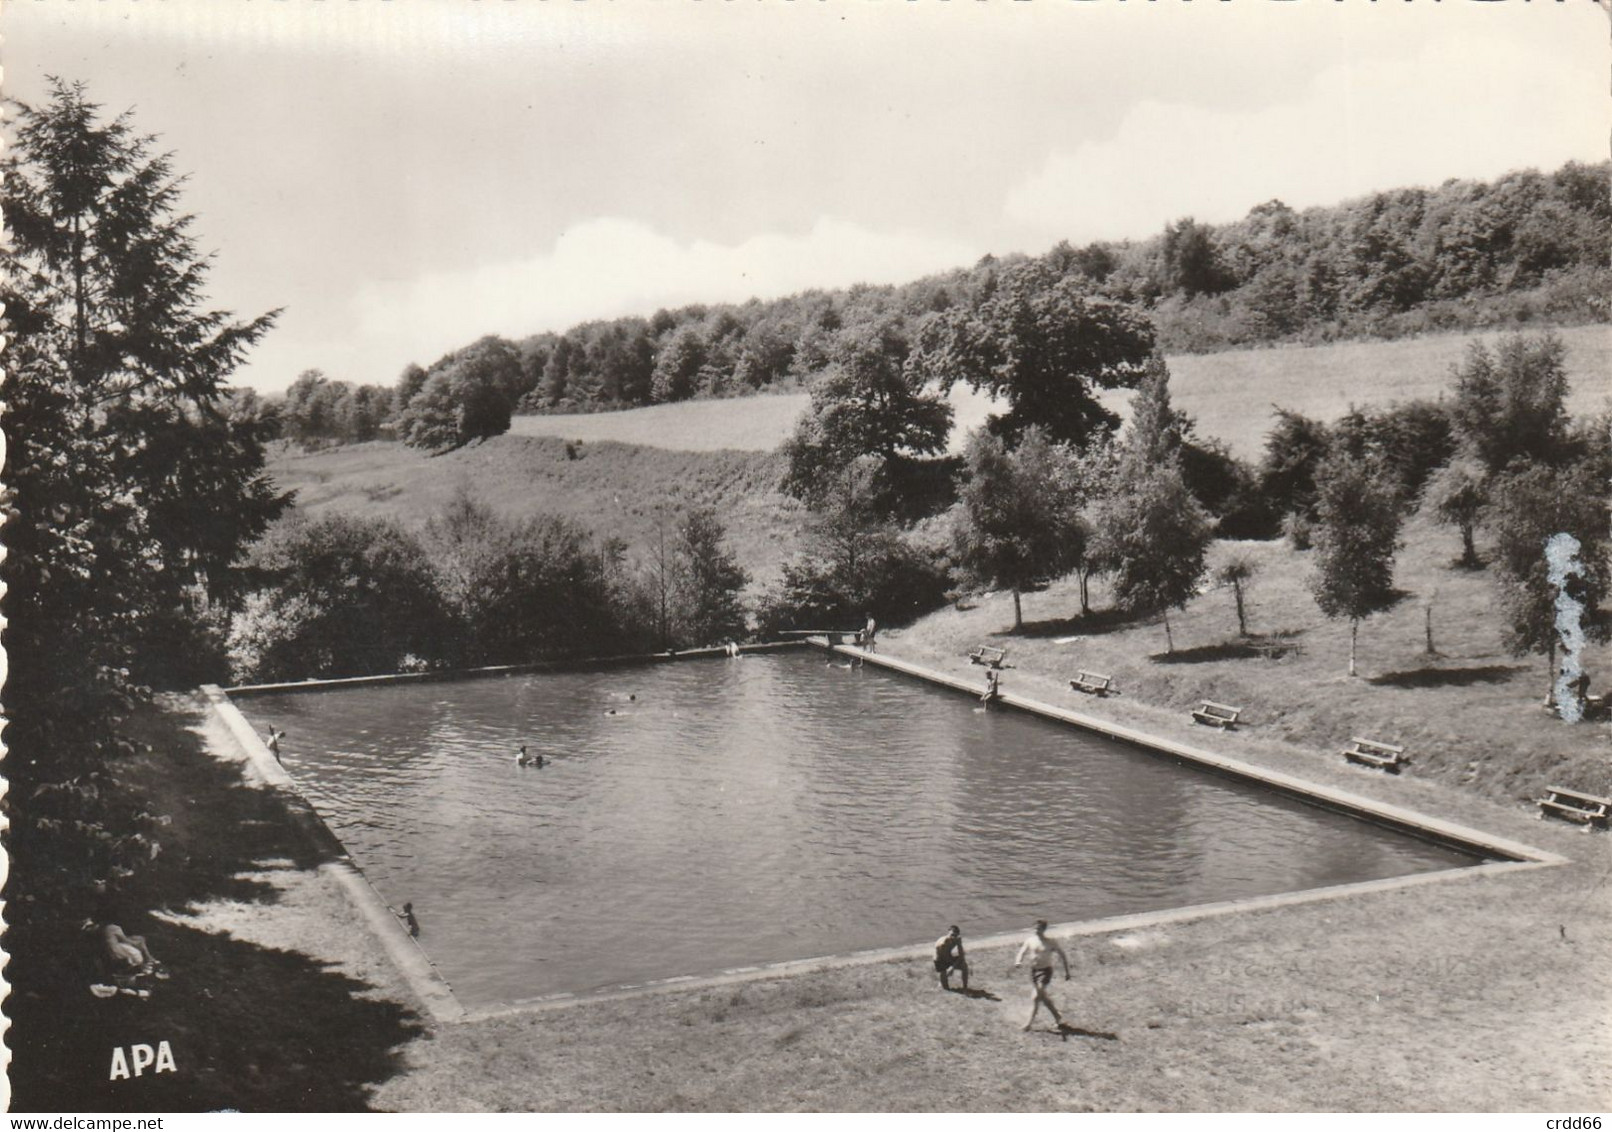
{"type": "Point", "coordinates": [949, 957]}
{"type": "Point", "coordinates": [1039, 950]}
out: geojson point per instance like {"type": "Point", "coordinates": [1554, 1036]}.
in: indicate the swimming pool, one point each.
{"type": "Point", "coordinates": [713, 813]}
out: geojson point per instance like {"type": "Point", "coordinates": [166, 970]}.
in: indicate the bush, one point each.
{"type": "Point", "coordinates": [894, 581]}
{"type": "Point", "coordinates": [348, 597]}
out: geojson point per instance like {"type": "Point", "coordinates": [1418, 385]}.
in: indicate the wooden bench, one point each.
{"type": "Point", "coordinates": [1590, 809]}
{"type": "Point", "coordinates": [1093, 683]}
{"type": "Point", "coordinates": [1212, 714]}
{"type": "Point", "coordinates": [1382, 756]}
{"type": "Point", "coordinates": [988, 656]}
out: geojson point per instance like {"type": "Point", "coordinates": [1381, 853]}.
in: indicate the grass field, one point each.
{"type": "Point", "coordinates": [1231, 394]}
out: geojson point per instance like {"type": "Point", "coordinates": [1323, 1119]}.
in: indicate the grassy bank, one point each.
{"type": "Point", "coordinates": [277, 998]}
{"type": "Point", "coordinates": [1470, 714]}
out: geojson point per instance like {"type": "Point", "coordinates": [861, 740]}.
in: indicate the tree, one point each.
{"type": "Point", "coordinates": [409, 383]}
{"type": "Point", "coordinates": [468, 396]}
{"type": "Point", "coordinates": [1458, 494]}
{"type": "Point", "coordinates": [866, 404]}
{"type": "Point", "coordinates": [676, 375]}
{"type": "Point", "coordinates": [1294, 447]}
{"type": "Point", "coordinates": [1152, 537]}
{"type": "Point", "coordinates": [1530, 506]}
{"type": "Point", "coordinates": [130, 489]}
{"type": "Point", "coordinates": [1511, 404]}
{"type": "Point", "coordinates": [706, 580]}
{"type": "Point", "coordinates": [1356, 535]}
{"type": "Point", "coordinates": [1191, 263]}
{"type": "Point", "coordinates": [1040, 342]}
{"type": "Point", "coordinates": [130, 492]}
{"type": "Point", "coordinates": [1015, 525]}
{"type": "Point", "coordinates": [1238, 573]}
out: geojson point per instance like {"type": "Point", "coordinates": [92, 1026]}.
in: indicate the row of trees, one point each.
{"type": "Point", "coordinates": [342, 596]}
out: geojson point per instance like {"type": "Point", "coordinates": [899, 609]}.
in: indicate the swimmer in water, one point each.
{"type": "Point", "coordinates": [522, 758]}
{"type": "Point", "coordinates": [407, 916]}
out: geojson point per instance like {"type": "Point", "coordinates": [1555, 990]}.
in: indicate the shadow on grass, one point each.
{"type": "Point", "coordinates": [248, 1027]}
{"type": "Point", "coordinates": [1066, 1031]}
{"type": "Point", "coordinates": [1251, 648]}
{"type": "Point", "coordinates": [1431, 677]}
{"type": "Point", "coordinates": [975, 992]}
{"type": "Point", "coordinates": [1095, 623]}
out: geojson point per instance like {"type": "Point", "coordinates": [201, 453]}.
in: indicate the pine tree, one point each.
{"type": "Point", "coordinates": [130, 491]}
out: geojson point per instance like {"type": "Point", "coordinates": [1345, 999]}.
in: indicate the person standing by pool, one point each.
{"type": "Point", "coordinates": [1039, 950]}
{"type": "Point", "coordinates": [274, 742]}
{"type": "Point", "coordinates": [868, 633]}
{"type": "Point", "coordinates": [949, 957]}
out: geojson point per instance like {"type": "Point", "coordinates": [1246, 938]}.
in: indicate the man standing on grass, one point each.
{"type": "Point", "coordinates": [949, 957]}
{"type": "Point", "coordinates": [1040, 950]}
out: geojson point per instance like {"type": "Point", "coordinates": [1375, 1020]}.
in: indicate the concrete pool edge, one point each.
{"type": "Point", "coordinates": [1072, 929]}
{"type": "Point", "coordinates": [1398, 818]}
{"type": "Point", "coordinates": [412, 964]}
{"type": "Point", "coordinates": [448, 674]}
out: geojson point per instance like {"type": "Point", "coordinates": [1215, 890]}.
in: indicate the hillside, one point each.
{"type": "Point", "coordinates": [640, 463]}
{"type": "Point", "coordinates": [1231, 394]}
{"type": "Point", "coordinates": [612, 489]}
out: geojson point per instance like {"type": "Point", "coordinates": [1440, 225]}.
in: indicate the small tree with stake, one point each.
{"type": "Point", "coordinates": [1356, 535]}
{"type": "Point", "coordinates": [1238, 573]}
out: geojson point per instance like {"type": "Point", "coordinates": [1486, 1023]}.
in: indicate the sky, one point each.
{"type": "Point", "coordinates": [404, 176]}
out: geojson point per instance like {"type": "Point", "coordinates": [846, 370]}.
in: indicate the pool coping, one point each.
{"type": "Point", "coordinates": [436, 995]}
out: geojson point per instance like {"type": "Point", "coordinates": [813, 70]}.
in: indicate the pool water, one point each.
{"type": "Point", "coordinates": [707, 814]}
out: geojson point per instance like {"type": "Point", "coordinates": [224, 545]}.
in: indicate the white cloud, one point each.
{"type": "Point", "coordinates": [1469, 106]}
{"type": "Point", "coordinates": [608, 267]}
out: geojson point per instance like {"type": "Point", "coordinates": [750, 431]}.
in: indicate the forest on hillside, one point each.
{"type": "Point", "coordinates": [1527, 248]}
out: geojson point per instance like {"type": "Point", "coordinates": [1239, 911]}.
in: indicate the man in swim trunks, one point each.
{"type": "Point", "coordinates": [1040, 950]}
{"type": "Point", "coordinates": [949, 957]}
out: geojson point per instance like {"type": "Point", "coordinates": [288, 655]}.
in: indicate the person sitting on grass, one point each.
{"type": "Point", "coordinates": [129, 953]}
{"type": "Point", "coordinates": [949, 957]}
{"type": "Point", "coordinates": [1040, 950]}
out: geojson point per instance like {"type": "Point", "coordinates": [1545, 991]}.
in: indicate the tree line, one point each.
{"type": "Point", "coordinates": [1527, 247]}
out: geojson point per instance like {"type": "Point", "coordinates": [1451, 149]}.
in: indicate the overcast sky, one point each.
{"type": "Point", "coordinates": [404, 176]}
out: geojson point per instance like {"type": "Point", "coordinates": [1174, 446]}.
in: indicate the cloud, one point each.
{"type": "Point", "coordinates": [605, 268]}
{"type": "Point", "coordinates": [1466, 106]}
